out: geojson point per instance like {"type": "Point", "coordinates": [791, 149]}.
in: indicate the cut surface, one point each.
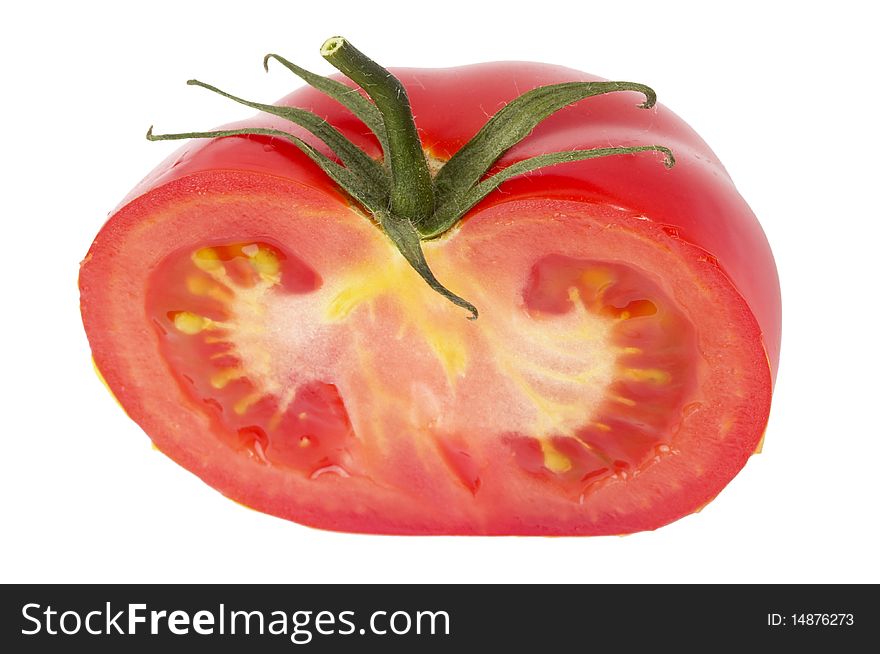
{"type": "Point", "coordinates": [584, 373]}
{"type": "Point", "coordinates": [284, 351]}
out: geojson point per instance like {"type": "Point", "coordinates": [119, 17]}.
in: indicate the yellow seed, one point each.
{"type": "Point", "coordinates": [554, 460]}
{"type": "Point", "coordinates": [190, 323]}
{"type": "Point", "coordinates": [221, 378]}
{"type": "Point", "coordinates": [653, 375]}
{"type": "Point", "coordinates": [207, 259]}
{"type": "Point", "coordinates": [305, 441]}
{"type": "Point", "coordinates": [241, 407]}
{"type": "Point", "coordinates": [201, 286]}
{"type": "Point", "coordinates": [266, 263]}
{"type": "Point", "coordinates": [624, 400]}
{"type": "Point", "coordinates": [601, 426]}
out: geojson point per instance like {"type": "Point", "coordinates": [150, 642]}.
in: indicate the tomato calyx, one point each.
{"type": "Point", "coordinates": [400, 194]}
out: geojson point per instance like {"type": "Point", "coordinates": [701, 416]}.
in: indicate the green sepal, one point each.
{"type": "Point", "coordinates": [348, 97]}
{"type": "Point", "coordinates": [347, 179]}
{"type": "Point", "coordinates": [352, 156]}
{"type": "Point", "coordinates": [448, 215]}
{"type": "Point", "coordinates": [510, 125]}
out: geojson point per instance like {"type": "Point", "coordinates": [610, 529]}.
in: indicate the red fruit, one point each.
{"type": "Point", "coordinates": [271, 338]}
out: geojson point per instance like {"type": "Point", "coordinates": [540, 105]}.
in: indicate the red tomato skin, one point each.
{"type": "Point", "coordinates": [696, 201]}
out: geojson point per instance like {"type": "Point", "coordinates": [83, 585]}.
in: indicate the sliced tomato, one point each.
{"type": "Point", "coordinates": [274, 342]}
{"type": "Point", "coordinates": [330, 386]}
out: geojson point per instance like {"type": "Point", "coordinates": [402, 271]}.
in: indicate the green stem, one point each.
{"type": "Point", "coordinates": [412, 190]}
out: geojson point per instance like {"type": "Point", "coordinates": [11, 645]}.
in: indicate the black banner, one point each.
{"type": "Point", "coordinates": [107, 618]}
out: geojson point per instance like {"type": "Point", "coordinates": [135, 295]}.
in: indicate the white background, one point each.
{"type": "Point", "coordinates": [786, 94]}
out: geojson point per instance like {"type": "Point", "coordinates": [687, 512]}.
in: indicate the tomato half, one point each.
{"type": "Point", "coordinates": [274, 342]}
